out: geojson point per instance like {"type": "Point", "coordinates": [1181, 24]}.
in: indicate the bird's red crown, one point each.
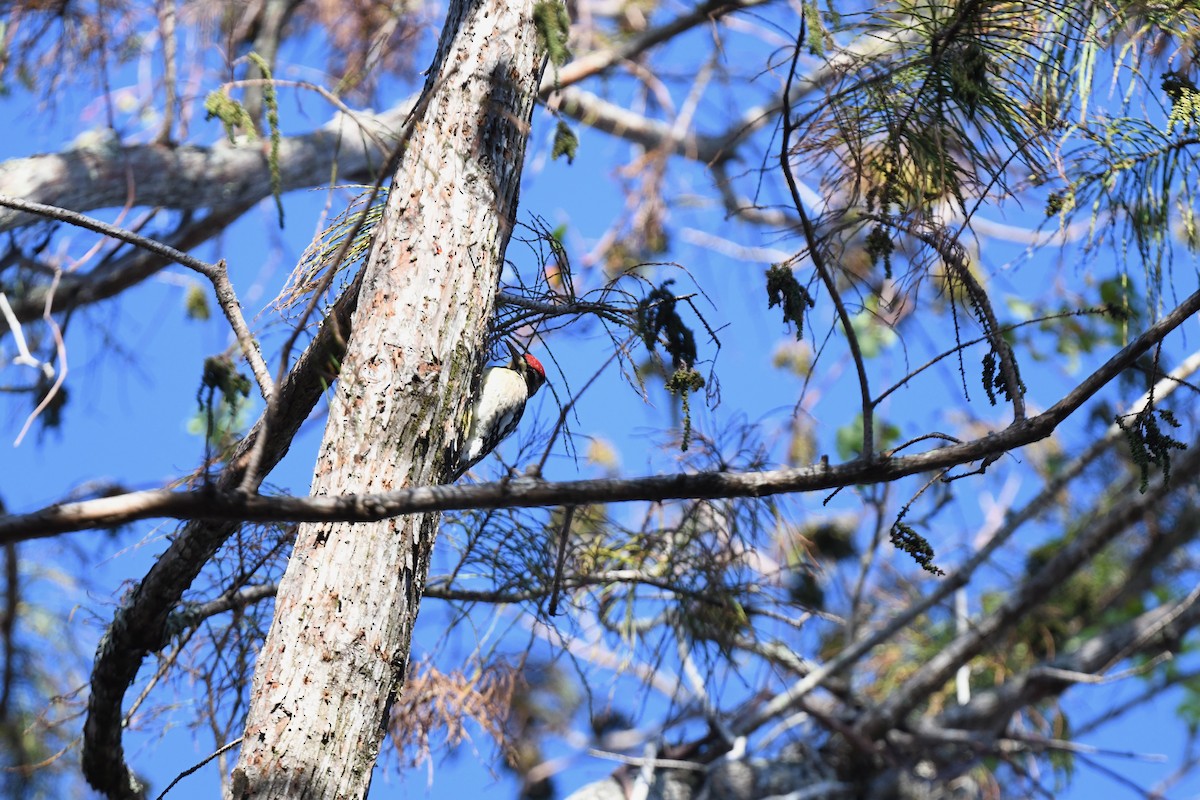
{"type": "Point", "coordinates": [535, 365]}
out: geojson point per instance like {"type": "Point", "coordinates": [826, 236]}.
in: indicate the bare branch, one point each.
{"type": "Point", "coordinates": [222, 749]}
{"type": "Point", "coordinates": [194, 178]}
{"type": "Point", "coordinates": [114, 277]}
{"type": "Point", "coordinates": [1034, 590]}
{"type": "Point", "coordinates": [818, 259]}
{"type": "Point", "coordinates": [217, 274]}
{"type": "Point", "coordinates": [194, 613]}
{"type": "Point", "coordinates": [23, 356]}
{"type": "Point", "coordinates": [60, 348]}
{"type": "Point", "coordinates": [211, 504]}
{"type": "Point", "coordinates": [166, 31]}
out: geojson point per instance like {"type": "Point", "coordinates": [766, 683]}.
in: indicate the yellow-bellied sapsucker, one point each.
{"type": "Point", "coordinates": [503, 393]}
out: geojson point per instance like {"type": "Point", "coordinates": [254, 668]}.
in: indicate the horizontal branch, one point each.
{"type": "Point", "coordinates": [519, 493]}
{"type": "Point", "coordinates": [210, 504]}
{"type": "Point", "coordinates": [187, 177]}
{"type": "Point", "coordinates": [192, 614]}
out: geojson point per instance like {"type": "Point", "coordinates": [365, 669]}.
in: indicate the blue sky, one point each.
{"type": "Point", "coordinates": [135, 366]}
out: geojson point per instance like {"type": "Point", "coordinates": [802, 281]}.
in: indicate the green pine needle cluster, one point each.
{"type": "Point", "coordinates": [237, 120]}
{"type": "Point", "coordinates": [566, 143]}
{"type": "Point", "coordinates": [553, 30]}
{"type": "Point", "coordinates": [907, 540]}
{"type": "Point", "coordinates": [271, 103]}
{"type": "Point", "coordinates": [793, 297]}
{"type": "Point", "coordinates": [1185, 100]}
{"type": "Point", "coordinates": [1149, 445]}
{"type": "Point", "coordinates": [232, 114]}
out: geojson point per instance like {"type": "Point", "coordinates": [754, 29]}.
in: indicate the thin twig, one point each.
{"type": "Point", "coordinates": [970, 342]}
{"type": "Point", "coordinates": [600, 60]}
{"type": "Point", "coordinates": [220, 751]}
{"type": "Point", "coordinates": [562, 415]}
{"type": "Point", "coordinates": [23, 356]}
{"type": "Point", "coordinates": [818, 259]}
{"type": "Point", "coordinates": [60, 348]}
{"type": "Point", "coordinates": [564, 536]}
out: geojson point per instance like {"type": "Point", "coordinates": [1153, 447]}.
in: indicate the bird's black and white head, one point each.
{"type": "Point", "coordinates": [529, 368]}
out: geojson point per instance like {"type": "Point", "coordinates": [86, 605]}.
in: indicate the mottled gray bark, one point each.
{"type": "Point", "coordinates": [141, 624]}
{"type": "Point", "coordinates": [338, 648]}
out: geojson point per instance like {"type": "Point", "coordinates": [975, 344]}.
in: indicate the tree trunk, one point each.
{"type": "Point", "coordinates": [338, 647]}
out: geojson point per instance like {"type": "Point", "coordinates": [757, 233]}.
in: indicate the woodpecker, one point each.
{"type": "Point", "coordinates": [503, 393]}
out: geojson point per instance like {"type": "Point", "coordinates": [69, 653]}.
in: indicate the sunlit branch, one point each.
{"type": "Point", "coordinates": [192, 177]}
{"type": "Point", "coordinates": [1153, 689]}
{"type": "Point", "coordinates": [23, 356]}
{"type": "Point", "coordinates": [166, 31]}
{"type": "Point", "coordinates": [60, 349]}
